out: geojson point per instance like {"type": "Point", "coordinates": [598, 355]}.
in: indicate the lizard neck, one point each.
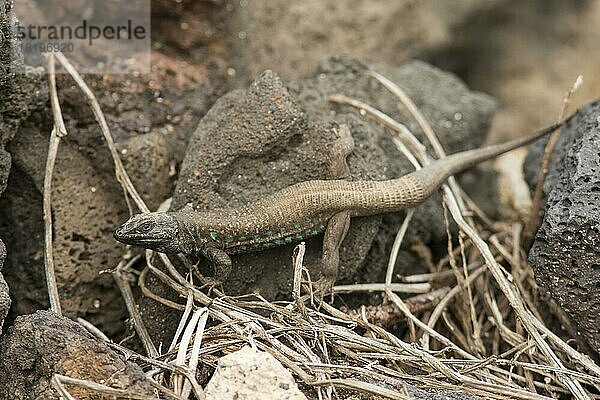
{"type": "Point", "coordinates": [189, 241]}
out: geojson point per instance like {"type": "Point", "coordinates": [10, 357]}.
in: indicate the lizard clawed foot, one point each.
{"type": "Point", "coordinates": [322, 288]}
{"type": "Point", "coordinates": [211, 283]}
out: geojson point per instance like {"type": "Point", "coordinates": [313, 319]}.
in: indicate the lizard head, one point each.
{"type": "Point", "coordinates": [155, 231]}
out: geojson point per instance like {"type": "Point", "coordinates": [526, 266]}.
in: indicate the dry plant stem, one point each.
{"type": "Point", "coordinates": [136, 318]}
{"type": "Point", "coordinates": [437, 276]}
{"type": "Point", "coordinates": [146, 292]}
{"type": "Point", "coordinates": [582, 359]}
{"type": "Point", "coordinates": [169, 393]}
{"type": "Point", "coordinates": [464, 300]}
{"type": "Point", "coordinates": [390, 273]}
{"type": "Point", "coordinates": [56, 383]}
{"type": "Point", "coordinates": [380, 287]}
{"type": "Point", "coordinates": [425, 127]}
{"type": "Point", "coordinates": [464, 380]}
{"type": "Point", "coordinates": [439, 150]}
{"type": "Point", "coordinates": [182, 351]}
{"type": "Point", "coordinates": [439, 309]}
{"type": "Point", "coordinates": [194, 355]}
{"type": "Point", "coordinates": [121, 175]}
{"type": "Point", "coordinates": [99, 388]}
{"type": "Point", "coordinates": [533, 222]}
{"type": "Point", "coordinates": [419, 151]}
{"type": "Point", "coordinates": [93, 330]}
{"type": "Point", "coordinates": [129, 354]}
{"type": "Point", "coordinates": [476, 334]}
{"type": "Point", "coordinates": [186, 313]}
{"type": "Point", "coordinates": [407, 138]}
{"type": "Point", "coordinates": [515, 301]}
{"type": "Point", "coordinates": [545, 370]}
{"type": "Point", "coordinates": [58, 131]}
{"type": "Point", "coordinates": [363, 387]}
{"type": "Point", "coordinates": [125, 182]}
{"type": "Point", "coordinates": [298, 260]}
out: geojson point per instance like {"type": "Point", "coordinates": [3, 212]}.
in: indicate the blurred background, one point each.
{"type": "Point", "coordinates": [527, 54]}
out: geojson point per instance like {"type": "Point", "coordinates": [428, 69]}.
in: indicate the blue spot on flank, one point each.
{"type": "Point", "coordinates": [267, 244]}
{"type": "Point", "coordinates": [320, 215]}
{"type": "Point", "coordinates": [242, 238]}
{"type": "Point", "coordinates": [256, 237]}
{"type": "Point", "coordinates": [288, 239]}
{"type": "Point", "coordinates": [282, 230]}
{"type": "Point", "coordinates": [313, 232]}
{"type": "Point", "coordinates": [213, 235]}
{"type": "Point", "coordinates": [297, 225]}
{"type": "Point", "coordinates": [278, 242]}
{"type": "Point", "coordinates": [228, 239]}
{"type": "Point", "coordinates": [255, 245]}
{"type": "Point", "coordinates": [308, 220]}
{"type": "Point", "coordinates": [244, 248]}
{"type": "Point", "coordinates": [269, 234]}
{"type": "Point", "coordinates": [299, 236]}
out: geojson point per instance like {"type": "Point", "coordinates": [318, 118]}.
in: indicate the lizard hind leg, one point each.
{"type": "Point", "coordinates": [336, 231]}
{"type": "Point", "coordinates": [338, 225]}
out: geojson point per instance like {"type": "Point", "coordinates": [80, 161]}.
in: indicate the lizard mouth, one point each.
{"type": "Point", "coordinates": [135, 238]}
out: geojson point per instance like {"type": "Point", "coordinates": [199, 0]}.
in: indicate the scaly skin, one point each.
{"type": "Point", "coordinates": [297, 212]}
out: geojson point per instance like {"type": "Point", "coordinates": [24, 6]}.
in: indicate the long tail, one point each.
{"type": "Point", "coordinates": [439, 170]}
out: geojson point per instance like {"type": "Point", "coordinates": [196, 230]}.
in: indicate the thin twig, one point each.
{"type": "Point", "coordinates": [59, 130]}
{"type": "Point", "coordinates": [121, 175]}
{"type": "Point", "coordinates": [380, 287]}
{"type": "Point", "coordinates": [424, 125]}
{"type": "Point", "coordinates": [93, 330]}
{"type": "Point", "coordinates": [134, 313]}
{"type": "Point", "coordinates": [534, 215]}
{"type": "Point", "coordinates": [100, 388]}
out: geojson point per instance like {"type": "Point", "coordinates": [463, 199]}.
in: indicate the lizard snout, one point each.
{"type": "Point", "coordinates": [118, 234]}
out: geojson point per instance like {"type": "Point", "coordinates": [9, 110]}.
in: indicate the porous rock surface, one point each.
{"type": "Point", "coordinates": [256, 141]}
{"type": "Point", "coordinates": [20, 93]}
{"type": "Point", "coordinates": [252, 374]}
{"type": "Point", "coordinates": [566, 252]}
{"type": "Point", "coordinates": [42, 344]}
{"type": "Point", "coordinates": [165, 104]}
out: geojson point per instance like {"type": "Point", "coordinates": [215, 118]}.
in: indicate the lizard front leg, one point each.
{"type": "Point", "coordinates": [338, 225]}
{"type": "Point", "coordinates": [220, 260]}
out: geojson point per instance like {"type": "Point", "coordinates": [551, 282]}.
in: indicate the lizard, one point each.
{"type": "Point", "coordinates": [300, 211]}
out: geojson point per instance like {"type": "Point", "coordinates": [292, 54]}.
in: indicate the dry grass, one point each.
{"type": "Point", "coordinates": [472, 322]}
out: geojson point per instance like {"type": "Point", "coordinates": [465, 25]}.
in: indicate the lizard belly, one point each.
{"type": "Point", "coordinates": [273, 236]}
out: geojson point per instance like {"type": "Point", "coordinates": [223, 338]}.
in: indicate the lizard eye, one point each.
{"type": "Point", "coordinates": [145, 227]}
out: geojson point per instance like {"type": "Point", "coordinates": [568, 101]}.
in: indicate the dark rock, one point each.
{"type": "Point", "coordinates": [86, 205]}
{"type": "Point", "coordinates": [162, 107]}
{"type": "Point", "coordinates": [565, 255]}
{"type": "Point", "coordinates": [4, 297]}
{"type": "Point", "coordinates": [150, 160]}
{"type": "Point", "coordinates": [42, 344]}
{"type": "Point", "coordinates": [256, 141]}
{"type": "Point", "coordinates": [87, 201]}
{"type": "Point", "coordinates": [21, 92]}
{"type": "Point", "coordinates": [21, 88]}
